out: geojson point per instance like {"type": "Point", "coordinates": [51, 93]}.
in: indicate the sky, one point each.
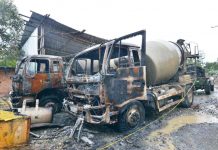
{"type": "Point", "coordinates": [163, 19]}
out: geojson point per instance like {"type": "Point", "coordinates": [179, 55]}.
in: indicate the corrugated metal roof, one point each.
{"type": "Point", "coordinates": [36, 19]}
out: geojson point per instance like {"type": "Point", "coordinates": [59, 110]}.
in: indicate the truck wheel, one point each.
{"type": "Point", "coordinates": [212, 87]}
{"type": "Point", "coordinates": [51, 101]}
{"type": "Point", "coordinates": [132, 116]}
{"type": "Point", "coordinates": [16, 103]}
{"type": "Point", "coordinates": [207, 89]}
{"type": "Point", "coordinates": [188, 99]}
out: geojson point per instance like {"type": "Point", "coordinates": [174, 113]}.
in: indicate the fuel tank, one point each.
{"type": "Point", "coordinates": [163, 59]}
{"type": "Point", "coordinates": [37, 114]}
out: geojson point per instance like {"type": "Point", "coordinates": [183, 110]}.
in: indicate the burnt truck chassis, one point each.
{"type": "Point", "coordinates": [46, 84]}
{"type": "Point", "coordinates": [104, 98]}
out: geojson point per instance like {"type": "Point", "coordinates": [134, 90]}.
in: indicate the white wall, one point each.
{"type": "Point", "coordinates": [31, 45]}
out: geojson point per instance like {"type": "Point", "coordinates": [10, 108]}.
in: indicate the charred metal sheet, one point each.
{"type": "Point", "coordinates": [75, 110]}
{"type": "Point", "coordinates": [167, 95]}
{"type": "Point", "coordinates": [89, 89]}
{"type": "Point", "coordinates": [84, 79]}
{"type": "Point", "coordinates": [116, 90]}
{"type": "Point", "coordinates": [169, 105]}
{"type": "Point", "coordinates": [56, 81]}
{"type": "Point", "coordinates": [128, 83]}
{"type": "Point", "coordinates": [25, 86]}
{"type": "Point", "coordinates": [84, 90]}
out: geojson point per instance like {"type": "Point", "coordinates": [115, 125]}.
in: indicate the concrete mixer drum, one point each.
{"type": "Point", "coordinates": [163, 60]}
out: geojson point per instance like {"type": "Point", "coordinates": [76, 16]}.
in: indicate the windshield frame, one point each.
{"type": "Point", "coordinates": [18, 67]}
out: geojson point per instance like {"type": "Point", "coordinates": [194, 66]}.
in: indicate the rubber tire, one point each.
{"type": "Point", "coordinates": [212, 87]}
{"type": "Point", "coordinates": [122, 124]}
{"type": "Point", "coordinates": [207, 89]}
{"type": "Point", "coordinates": [17, 105]}
{"type": "Point", "coordinates": [51, 99]}
{"type": "Point", "coordinates": [187, 101]}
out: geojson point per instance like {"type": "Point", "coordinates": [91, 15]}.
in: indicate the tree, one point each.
{"type": "Point", "coordinates": [211, 68]}
{"type": "Point", "coordinates": [11, 26]}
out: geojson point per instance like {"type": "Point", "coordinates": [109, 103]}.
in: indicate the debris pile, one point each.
{"type": "Point", "coordinates": [70, 134]}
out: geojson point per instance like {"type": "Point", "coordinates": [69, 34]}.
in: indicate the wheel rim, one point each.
{"type": "Point", "coordinates": [133, 117]}
{"type": "Point", "coordinates": [51, 105]}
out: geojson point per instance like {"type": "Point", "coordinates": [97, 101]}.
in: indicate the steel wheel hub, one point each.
{"type": "Point", "coordinates": [50, 105]}
{"type": "Point", "coordinates": [133, 117]}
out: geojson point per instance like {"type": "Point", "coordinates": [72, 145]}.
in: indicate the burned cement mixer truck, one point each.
{"type": "Point", "coordinates": [117, 82]}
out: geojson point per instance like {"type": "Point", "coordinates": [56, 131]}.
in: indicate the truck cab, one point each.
{"type": "Point", "coordinates": [202, 82]}
{"type": "Point", "coordinates": [104, 78]}
{"type": "Point", "coordinates": [117, 82]}
{"type": "Point", "coordinates": [39, 77]}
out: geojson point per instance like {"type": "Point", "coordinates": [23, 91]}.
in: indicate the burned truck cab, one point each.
{"type": "Point", "coordinates": [39, 77]}
{"type": "Point", "coordinates": [103, 80]}
{"type": "Point", "coordinates": [117, 82]}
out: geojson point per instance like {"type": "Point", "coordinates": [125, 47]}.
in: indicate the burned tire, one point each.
{"type": "Point", "coordinates": [207, 89]}
{"type": "Point", "coordinates": [51, 101]}
{"type": "Point", "coordinates": [16, 103]}
{"type": "Point", "coordinates": [131, 116]}
{"type": "Point", "coordinates": [189, 96]}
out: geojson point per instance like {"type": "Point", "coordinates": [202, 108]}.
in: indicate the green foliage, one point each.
{"type": "Point", "coordinates": [198, 62]}
{"type": "Point", "coordinates": [8, 63]}
{"type": "Point", "coordinates": [10, 28]}
{"type": "Point", "coordinates": [211, 68]}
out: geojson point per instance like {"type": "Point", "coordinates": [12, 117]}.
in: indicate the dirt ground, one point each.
{"type": "Point", "coordinates": [194, 128]}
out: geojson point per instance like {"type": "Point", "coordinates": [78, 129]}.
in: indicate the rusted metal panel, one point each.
{"type": "Point", "coordinates": [39, 82]}
{"type": "Point", "coordinates": [15, 131]}
{"type": "Point", "coordinates": [167, 95]}
{"type": "Point", "coordinates": [56, 80]}
{"type": "Point", "coordinates": [169, 105]}
{"type": "Point", "coordinates": [170, 94]}
{"type": "Point", "coordinates": [56, 73]}
{"type": "Point", "coordinates": [127, 83]}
